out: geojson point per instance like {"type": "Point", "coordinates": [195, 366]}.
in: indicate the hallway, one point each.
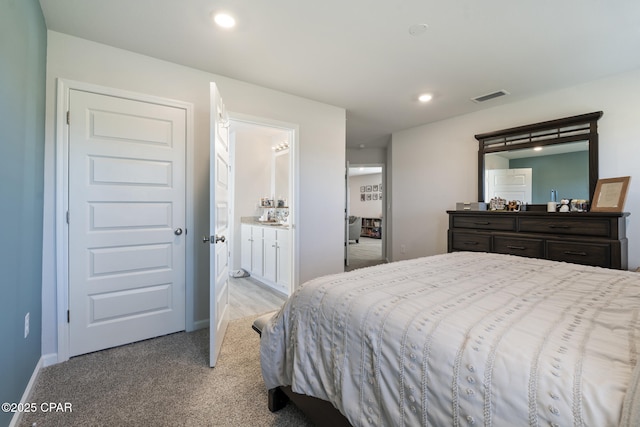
{"type": "Point", "coordinates": [366, 253]}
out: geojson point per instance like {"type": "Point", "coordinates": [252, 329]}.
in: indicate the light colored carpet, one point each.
{"type": "Point", "coordinates": [164, 381]}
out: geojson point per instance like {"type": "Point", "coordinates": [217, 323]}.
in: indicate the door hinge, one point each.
{"type": "Point", "coordinates": [68, 317]}
{"type": "Point", "coordinates": [67, 217]}
{"type": "Point", "coordinates": [68, 117]}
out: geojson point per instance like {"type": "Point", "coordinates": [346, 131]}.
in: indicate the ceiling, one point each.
{"type": "Point", "coordinates": [364, 170]}
{"type": "Point", "coordinates": [360, 55]}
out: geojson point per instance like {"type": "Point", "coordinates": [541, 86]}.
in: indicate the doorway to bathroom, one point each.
{"type": "Point", "coordinates": [262, 188]}
{"type": "Point", "coordinates": [365, 227]}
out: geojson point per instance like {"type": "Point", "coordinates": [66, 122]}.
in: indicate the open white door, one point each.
{"type": "Point", "coordinates": [346, 216]}
{"type": "Point", "coordinates": [218, 225]}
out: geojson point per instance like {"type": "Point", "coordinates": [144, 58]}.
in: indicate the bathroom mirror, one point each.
{"type": "Point", "coordinates": [525, 163]}
{"type": "Point", "coordinates": [280, 175]}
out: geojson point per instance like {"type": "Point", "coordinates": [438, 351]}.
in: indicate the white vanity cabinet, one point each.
{"type": "Point", "coordinates": [276, 257]}
{"type": "Point", "coordinates": [265, 253]}
{"type": "Point", "coordinates": [251, 249]}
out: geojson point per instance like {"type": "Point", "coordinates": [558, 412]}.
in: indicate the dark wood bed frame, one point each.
{"type": "Point", "coordinates": [320, 412]}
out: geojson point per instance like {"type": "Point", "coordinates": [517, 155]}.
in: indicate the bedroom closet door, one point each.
{"type": "Point", "coordinates": [218, 225]}
{"type": "Point", "coordinates": [126, 216]}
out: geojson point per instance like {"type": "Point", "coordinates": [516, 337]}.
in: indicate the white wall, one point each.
{"type": "Point", "coordinates": [367, 156]}
{"type": "Point", "coordinates": [321, 153]}
{"type": "Point", "coordinates": [252, 173]}
{"type": "Point", "coordinates": [368, 208]}
{"type": "Point", "coordinates": [435, 165]}
{"type": "Point", "coordinates": [252, 180]}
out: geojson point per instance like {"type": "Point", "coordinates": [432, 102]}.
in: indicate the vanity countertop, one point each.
{"type": "Point", "coordinates": [254, 221]}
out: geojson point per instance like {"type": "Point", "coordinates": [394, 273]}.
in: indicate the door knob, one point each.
{"type": "Point", "coordinates": [178, 231]}
{"type": "Point", "coordinates": [219, 239]}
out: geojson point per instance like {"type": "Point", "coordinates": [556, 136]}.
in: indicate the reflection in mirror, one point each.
{"type": "Point", "coordinates": [280, 175]}
{"type": "Point", "coordinates": [526, 162]}
{"type": "Point", "coordinates": [529, 174]}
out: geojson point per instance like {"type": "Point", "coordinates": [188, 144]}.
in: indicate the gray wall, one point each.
{"type": "Point", "coordinates": [23, 41]}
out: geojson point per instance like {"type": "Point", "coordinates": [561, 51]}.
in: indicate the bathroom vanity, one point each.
{"type": "Point", "coordinates": [265, 253]}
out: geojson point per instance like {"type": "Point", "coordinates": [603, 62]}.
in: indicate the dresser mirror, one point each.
{"type": "Point", "coordinates": [525, 163]}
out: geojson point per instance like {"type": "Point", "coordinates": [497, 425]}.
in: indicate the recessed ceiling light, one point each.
{"type": "Point", "coordinates": [418, 29]}
{"type": "Point", "coordinates": [224, 20]}
{"type": "Point", "coordinates": [537, 148]}
{"type": "Point", "coordinates": [425, 97]}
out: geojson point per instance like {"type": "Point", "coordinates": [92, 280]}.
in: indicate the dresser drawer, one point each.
{"type": "Point", "coordinates": [576, 226]}
{"type": "Point", "coordinates": [532, 248]}
{"type": "Point", "coordinates": [580, 253]}
{"type": "Point", "coordinates": [485, 222]}
{"type": "Point", "coordinates": [470, 242]}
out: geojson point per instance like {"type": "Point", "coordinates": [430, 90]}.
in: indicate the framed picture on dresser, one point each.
{"type": "Point", "coordinates": [610, 194]}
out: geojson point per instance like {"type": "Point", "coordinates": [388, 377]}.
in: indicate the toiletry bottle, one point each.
{"type": "Point", "coordinates": [553, 204]}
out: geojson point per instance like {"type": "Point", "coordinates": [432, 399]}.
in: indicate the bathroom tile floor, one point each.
{"type": "Point", "coordinates": [248, 297]}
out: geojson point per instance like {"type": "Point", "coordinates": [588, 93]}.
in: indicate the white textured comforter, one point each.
{"type": "Point", "coordinates": [464, 339]}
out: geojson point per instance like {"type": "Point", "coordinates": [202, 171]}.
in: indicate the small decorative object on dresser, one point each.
{"type": "Point", "coordinates": [497, 204]}
{"type": "Point", "coordinates": [514, 205]}
{"type": "Point", "coordinates": [590, 238]}
{"type": "Point", "coordinates": [471, 206]}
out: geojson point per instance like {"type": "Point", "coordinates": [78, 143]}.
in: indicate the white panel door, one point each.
{"type": "Point", "coordinates": [510, 184]}
{"type": "Point", "coordinates": [126, 221]}
{"type": "Point", "coordinates": [218, 225]}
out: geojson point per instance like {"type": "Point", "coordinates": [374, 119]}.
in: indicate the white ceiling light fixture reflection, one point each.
{"type": "Point", "coordinates": [280, 147]}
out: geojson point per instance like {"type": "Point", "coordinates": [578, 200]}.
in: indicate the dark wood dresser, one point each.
{"type": "Point", "coordinates": [591, 238]}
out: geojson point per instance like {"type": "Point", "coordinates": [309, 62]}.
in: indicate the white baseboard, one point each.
{"type": "Point", "coordinates": [200, 324]}
{"type": "Point", "coordinates": [27, 393]}
{"type": "Point", "coordinates": [49, 359]}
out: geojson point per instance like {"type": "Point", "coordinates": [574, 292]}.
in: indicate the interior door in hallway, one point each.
{"type": "Point", "coordinates": [126, 199]}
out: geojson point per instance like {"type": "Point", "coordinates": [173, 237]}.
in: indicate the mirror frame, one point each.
{"type": "Point", "coordinates": [583, 127]}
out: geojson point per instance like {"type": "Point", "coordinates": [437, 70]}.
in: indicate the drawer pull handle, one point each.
{"type": "Point", "coordinates": [482, 223]}
{"type": "Point", "coordinates": [559, 226]}
{"type": "Point", "coordinates": [575, 253]}
{"type": "Point", "coordinates": [470, 243]}
{"type": "Point", "coordinates": [521, 248]}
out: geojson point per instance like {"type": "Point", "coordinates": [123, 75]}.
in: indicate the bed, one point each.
{"type": "Point", "coordinates": [463, 339]}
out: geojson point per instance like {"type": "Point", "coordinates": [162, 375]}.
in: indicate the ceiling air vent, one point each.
{"type": "Point", "coordinates": [487, 97]}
